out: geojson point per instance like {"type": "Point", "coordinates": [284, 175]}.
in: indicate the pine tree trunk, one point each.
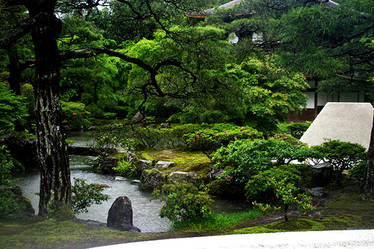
{"type": "Point", "coordinates": [55, 186]}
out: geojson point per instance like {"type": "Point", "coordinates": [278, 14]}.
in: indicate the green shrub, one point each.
{"type": "Point", "coordinates": [183, 201]}
{"type": "Point", "coordinates": [10, 203]}
{"type": "Point", "coordinates": [157, 138]}
{"type": "Point", "coordinates": [341, 155]}
{"type": "Point", "coordinates": [7, 165]}
{"type": "Point", "coordinates": [295, 129]}
{"type": "Point", "coordinates": [75, 115]}
{"type": "Point", "coordinates": [210, 139]}
{"type": "Point", "coordinates": [287, 138]}
{"type": "Point", "coordinates": [12, 109]}
{"type": "Point", "coordinates": [261, 188]}
{"type": "Point", "coordinates": [127, 169]}
{"type": "Point", "coordinates": [246, 158]}
{"type": "Point", "coordinates": [84, 195]}
{"type": "Point", "coordinates": [278, 186]}
{"type": "Point", "coordinates": [358, 171]}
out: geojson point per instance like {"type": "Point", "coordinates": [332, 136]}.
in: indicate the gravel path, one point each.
{"type": "Point", "coordinates": [352, 239]}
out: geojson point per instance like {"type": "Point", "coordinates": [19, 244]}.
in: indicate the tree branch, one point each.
{"type": "Point", "coordinates": [17, 34]}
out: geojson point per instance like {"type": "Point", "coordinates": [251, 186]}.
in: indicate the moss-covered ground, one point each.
{"type": "Point", "coordinates": [345, 209]}
{"type": "Point", "coordinates": [184, 161]}
{"type": "Point", "coordinates": [56, 233]}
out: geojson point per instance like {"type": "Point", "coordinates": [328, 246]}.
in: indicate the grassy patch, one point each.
{"type": "Point", "coordinates": [216, 222]}
{"type": "Point", "coordinates": [54, 233]}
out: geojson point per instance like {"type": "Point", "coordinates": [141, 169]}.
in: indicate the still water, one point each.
{"type": "Point", "coordinates": [146, 212]}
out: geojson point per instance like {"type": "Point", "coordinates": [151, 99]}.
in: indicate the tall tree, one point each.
{"type": "Point", "coordinates": [45, 27]}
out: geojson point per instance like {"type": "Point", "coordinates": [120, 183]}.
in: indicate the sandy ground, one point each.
{"type": "Point", "coordinates": [352, 239]}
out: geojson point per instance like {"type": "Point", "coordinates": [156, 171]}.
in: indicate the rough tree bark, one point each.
{"type": "Point", "coordinates": [55, 186]}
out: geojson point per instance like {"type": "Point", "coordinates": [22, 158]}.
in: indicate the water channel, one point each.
{"type": "Point", "coordinates": [145, 211]}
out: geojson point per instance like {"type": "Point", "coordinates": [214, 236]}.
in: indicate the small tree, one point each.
{"type": "Point", "coordinates": [279, 186]}
{"type": "Point", "coordinates": [341, 155]}
{"type": "Point", "coordinates": [183, 201]}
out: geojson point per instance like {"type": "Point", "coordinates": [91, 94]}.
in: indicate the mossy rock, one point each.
{"type": "Point", "coordinates": [184, 161]}
{"type": "Point", "coordinates": [152, 179]}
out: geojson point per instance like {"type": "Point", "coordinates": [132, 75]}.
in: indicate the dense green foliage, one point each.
{"type": "Point", "coordinates": [183, 201]}
{"type": "Point", "coordinates": [341, 155]}
{"type": "Point", "coordinates": [245, 158]}
{"type": "Point", "coordinates": [11, 203]}
{"type": "Point", "coordinates": [12, 109]}
{"type": "Point", "coordinates": [209, 140]}
{"type": "Point", "coordinates": [127, 169]}
{"type": "Point", "coordinates": [75, 115]}
{"type": "Point", "coordinates": [295, 129]}
{"type": "Point", "coordinates": [7, 165]}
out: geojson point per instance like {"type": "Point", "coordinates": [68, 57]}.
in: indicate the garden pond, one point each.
{"type": "Point", "coordinates": [145, 211]}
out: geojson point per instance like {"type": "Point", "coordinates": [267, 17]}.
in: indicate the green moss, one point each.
{"type": "Point", "coordinates": [256, 229]}
{"type": "Point", "coordinates": [184, 161]}
{"type": "Point", "coordinates": [56, 233]}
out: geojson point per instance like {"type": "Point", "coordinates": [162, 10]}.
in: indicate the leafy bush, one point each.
{"type": "Point", "coordinates": [7, 164]}
{"type": "Point", "coordinates": [287, 138]}
{"type": "Point", "coordinates": [127, 169]}
{"type": "Point", "coordinates": [183, 201]}
{"type": "Point", "coordinates": [261, 188]}
{"type": "Point", "coordinates": [341, 155]}
{"type": "Point", "coordinates": [75, 115]}
{"type": "Point", "coordinates": [12, 109]}
{"type": "Point", "coordinates": [278, 186]}
{"type": "Point", "coordinates": [358, 171]}
{"type": "Point", "coordinates": [10, 203]}
{"type": "Point", "coordinates": [295, 129]}
{"type": "Point", "coordinates": [210, 139]}
{"type": "Point", "coordinates": [242, 159]}
{"type": "Point", "coordinates": [84, 195]}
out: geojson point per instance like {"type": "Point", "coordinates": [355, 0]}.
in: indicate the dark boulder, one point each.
{"type": "Point", "coordinates": [322, 174]}
{"type": "Point", "coordinates": [108, 164]}
{"type": "Point", "coordinates": [151, 179]}
{"type": "Point", "coordinates": [120, 215]}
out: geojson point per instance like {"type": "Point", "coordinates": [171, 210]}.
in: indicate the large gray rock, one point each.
{"type": "Point", "coordinates": [151, 179]}
{"type": "Point", "coordinates": [165, 125]}
{"type": "Point", "coordinates": [179, 176]}
{"type": "Point", "coordinates": [120, 215]}
{"type": "Point", "coordinates": [145, 164]}
{"type": "Point", "coordinates": [164, 165]}
{"type": "Point", "coordinates": [347, 122]}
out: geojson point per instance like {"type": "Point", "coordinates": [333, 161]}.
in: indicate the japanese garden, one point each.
{"type": "Point", "coordinates": [135, 120]}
